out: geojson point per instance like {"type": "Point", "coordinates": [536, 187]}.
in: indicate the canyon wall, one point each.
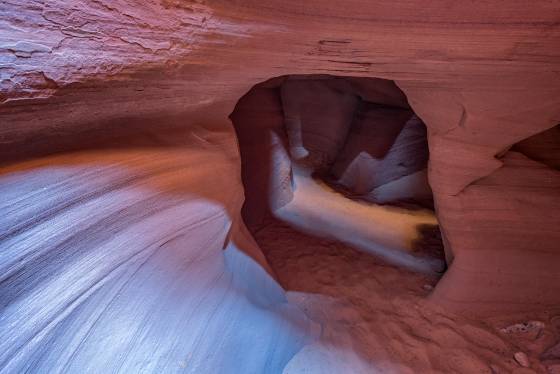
{"type": "Point", "coordinates": [135, 259]}
{"type": "Point", "coordinates": [482, 78]}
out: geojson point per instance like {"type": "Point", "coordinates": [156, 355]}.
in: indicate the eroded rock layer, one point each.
{"type": "Point", "coordinates": [136, 260]}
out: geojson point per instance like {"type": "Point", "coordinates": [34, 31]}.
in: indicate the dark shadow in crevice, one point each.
{"type": "Point", "coordinates": [357, 136]}
{"type": "Point", "coordinates": [543, 147]}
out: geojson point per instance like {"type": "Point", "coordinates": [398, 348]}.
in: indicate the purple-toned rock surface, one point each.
{"type": "Point", "coordinates": [122, 247]}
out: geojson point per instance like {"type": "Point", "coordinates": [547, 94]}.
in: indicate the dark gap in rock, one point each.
{"type": "Point", "coordinates": [353, 139]}
{"type": "Point", "coordinates": [543, 147]}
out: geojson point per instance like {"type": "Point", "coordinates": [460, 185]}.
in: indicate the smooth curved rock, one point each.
{"type": "Point", "coordinates": [137, 261]}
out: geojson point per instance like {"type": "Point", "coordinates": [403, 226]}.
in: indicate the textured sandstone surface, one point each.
{"type": "Point", "coordinates": [90, 76]}
{"type": "Point", "coordinates": [135, 260]}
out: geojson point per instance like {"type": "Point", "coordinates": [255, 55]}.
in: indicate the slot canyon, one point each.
{"type": "Point", "coordinates": [211, 186]}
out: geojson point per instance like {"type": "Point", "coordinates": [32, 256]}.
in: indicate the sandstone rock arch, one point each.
{"type": "Point", "coordinates": [484, 79]}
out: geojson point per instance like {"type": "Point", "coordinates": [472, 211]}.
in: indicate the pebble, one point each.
{"type": "Point", "coordinates": [531, 329]}
{"type": "Point", "coordinates": [522, 359]}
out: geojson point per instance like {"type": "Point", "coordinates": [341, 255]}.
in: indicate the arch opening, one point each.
{"type": "Point", "coordinates": [343, 159]}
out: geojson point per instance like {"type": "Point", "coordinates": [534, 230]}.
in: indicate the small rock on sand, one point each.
{"type": "Point", "coordinates": [522, 359]}
{"type": "Point", "coordinates": [529, 329]}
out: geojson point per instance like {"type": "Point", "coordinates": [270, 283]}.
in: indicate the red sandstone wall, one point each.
{"type": "Point", "coordinates": [481, 77]}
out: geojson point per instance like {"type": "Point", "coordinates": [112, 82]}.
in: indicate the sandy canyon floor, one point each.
{"type": "Point", "coordinates": [375, 317]}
